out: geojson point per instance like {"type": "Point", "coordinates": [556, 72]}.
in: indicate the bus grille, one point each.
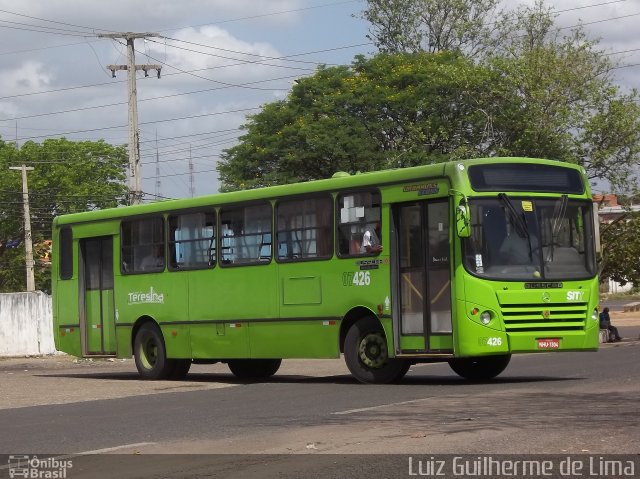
{"type": "Point", "coordinates": [544, 317]}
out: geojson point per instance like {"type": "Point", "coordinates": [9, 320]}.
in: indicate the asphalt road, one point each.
{"type": "Point", "coordinates": [568, 403]}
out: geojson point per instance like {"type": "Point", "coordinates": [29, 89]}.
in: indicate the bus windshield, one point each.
{"type": "Point", "coordinates": [520, 238]}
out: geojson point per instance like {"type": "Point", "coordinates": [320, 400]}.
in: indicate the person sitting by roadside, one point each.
{"type": "Point", "coordinates": [605, 323]}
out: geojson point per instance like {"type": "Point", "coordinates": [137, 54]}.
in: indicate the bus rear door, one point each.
{"type": "Point", "coordinates": [97, 311]}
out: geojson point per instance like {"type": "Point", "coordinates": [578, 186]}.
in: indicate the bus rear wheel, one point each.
{"type": "Point", "coordinates": [150, 353]}
{"type": "Point", "coordinates": [254, 368]}
{"type": "Point", "coordinates": [367, 355]}
{"type": "Point", "coordinates": [480, 369]}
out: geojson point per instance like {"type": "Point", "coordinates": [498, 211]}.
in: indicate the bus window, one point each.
{"type": "Point", "coordinates": [142, 244]}
{"type": "Point", "coordinates": [304, 229]}
{"type": "Point", "coordinates": [245, 235]}
{"type": "Point", "coordinates": [358, 213]}
{"type": "Point", "coordinates": [192, 241]}
{"type": "Point", "coordinates": [66, 253]}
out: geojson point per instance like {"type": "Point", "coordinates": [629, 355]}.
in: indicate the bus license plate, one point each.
{"type": "Point", "coordinates": [549, 343]}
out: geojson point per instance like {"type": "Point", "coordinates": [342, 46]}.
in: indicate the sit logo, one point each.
{"type": "Point", "coordinates": [575, 295]}
{"type": "Point", "coordinates": [33, 467]}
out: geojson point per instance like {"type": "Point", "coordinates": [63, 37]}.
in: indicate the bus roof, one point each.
{"type": "Point", "coordinates": [340, 180]}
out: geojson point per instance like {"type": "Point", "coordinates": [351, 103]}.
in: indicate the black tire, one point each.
{"type": "Point", "coordinates": [180, 369]}
{"type": "Point", "coordinates": [367, 355]}
{"type": "Point", "coordinates": [150, 353]}
{"type": "Point", "coordinates": [481, 368]}
{"type": "Point", "coordinates": [254, 368]}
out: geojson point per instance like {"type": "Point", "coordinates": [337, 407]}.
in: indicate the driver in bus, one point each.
{"type": "Point", "coordinates": [515, 249]}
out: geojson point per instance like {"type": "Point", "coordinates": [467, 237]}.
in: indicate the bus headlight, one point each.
{"type": "Point", "coordinates": [594, 315]}
{"type": "Point", "coordinates": [485, 317]}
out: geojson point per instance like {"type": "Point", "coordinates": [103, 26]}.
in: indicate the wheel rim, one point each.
{"type": "Point", "coordinates": [148, 353]}
{"type": "Point", "coordinates": [373, 350]}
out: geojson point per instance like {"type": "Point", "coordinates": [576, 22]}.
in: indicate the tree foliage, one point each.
{"type": "Point", "coordinates": [621, 250]}
{"type": "Point", "coordinates": [535, 90]}
{"type": "Point", "coordinates": [68, 177]}
{"type": "Point", "coordinates": [401, 26]}
{"type": "Point", "coordinates": [384, 112]}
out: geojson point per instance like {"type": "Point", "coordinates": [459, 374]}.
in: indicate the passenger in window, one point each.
{"type": "Point", "coordinates": [154, 261]}
{"type": "Point", "coordinates": [371, 239]}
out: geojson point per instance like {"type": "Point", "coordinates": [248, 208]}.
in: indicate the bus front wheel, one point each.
{"type": "Point", "coordinates": [150, 353]}
{"type": "Point", "coordinates": [254, 368]}
{"type": "Point", "coordinates": [480, 368]}
{"type": "Point", "coordinates": [367, 355]}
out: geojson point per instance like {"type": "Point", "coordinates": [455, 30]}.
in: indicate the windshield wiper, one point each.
{"type": "Point", "coordinates": [520, 225]}
{"type": "Point", "coordinates": [559, 211]}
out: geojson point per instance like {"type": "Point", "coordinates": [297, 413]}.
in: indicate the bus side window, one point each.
{"type": "Point", "coordinates": [358, 213]}
{"type": "Point", "coordinates": [192, 241]}
{"type": "Point", "coordinates": [245, 234]}
{"type": "Point", "coordinates": [142, 245]}
{"type": "Point", "coordinates": [304, 229]}
{"type": "Point", "coordinates": [66, 253]}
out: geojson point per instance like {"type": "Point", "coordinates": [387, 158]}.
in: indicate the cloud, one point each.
{"type": "Point", "coordinates": [27, 77]}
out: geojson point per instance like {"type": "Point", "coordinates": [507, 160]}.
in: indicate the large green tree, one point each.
{"type": "Point", "coordinates": [621, 250]}
{"type": "Point", "coordinates": [384, 112]}
{"type": "Point", "coordinates": [518, 86]}
{"type": "Point", "coordinates": [68, 177]}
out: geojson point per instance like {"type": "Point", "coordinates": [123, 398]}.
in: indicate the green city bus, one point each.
{"type": "Point", "coordinates": [473, 261]}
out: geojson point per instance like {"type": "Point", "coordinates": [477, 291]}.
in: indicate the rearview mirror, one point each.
{"type": "Point", "coordinates": [463, 216]}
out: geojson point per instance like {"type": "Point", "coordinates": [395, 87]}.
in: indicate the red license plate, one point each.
{"type": "Point", "coordinates": [549, 343]}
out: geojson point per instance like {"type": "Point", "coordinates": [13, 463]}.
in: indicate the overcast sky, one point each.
{"type": "Point", "coordinates": [221, 60]}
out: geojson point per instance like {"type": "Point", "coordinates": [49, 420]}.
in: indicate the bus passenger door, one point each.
{"type": "Point", "coordinates": [97, 318]}
{"type": "Point", "coordinates": [422, 278]}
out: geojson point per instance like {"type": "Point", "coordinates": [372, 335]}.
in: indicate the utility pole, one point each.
{"type": "Point", "coordinates": [135, 190]}
{"type": "Point", "coordinates": [28, 245]}
{"type": "Point", "coordinates": [158, 184]}
{"type": "Point", "coordinates": [192, 187]}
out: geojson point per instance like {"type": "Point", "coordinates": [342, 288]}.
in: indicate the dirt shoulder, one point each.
{"type": "Point", "coordinates": [619, 318]}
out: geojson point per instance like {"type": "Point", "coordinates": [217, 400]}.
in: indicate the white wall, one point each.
{"type": "Point", "coordinates": [616, 288]}
{"type": "Point", "coordinates": [25, 324]}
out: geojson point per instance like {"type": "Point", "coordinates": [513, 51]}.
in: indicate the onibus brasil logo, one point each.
{"type": "Point", "coordinates": [33, 467]}
{"type": "Point", "coordinates": [146, 297]}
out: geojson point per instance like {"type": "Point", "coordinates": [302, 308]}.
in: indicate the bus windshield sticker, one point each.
{"type": "Point", "coordinates": [527, 206]}
{"type": "Point", "coordinates": [479, 267]}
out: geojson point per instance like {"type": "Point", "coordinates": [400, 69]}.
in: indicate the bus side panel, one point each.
{"type": "Point", "coordinates": [294, 339]}
{"type": "Point", "coordinates": [310, 327]}
{"type": "Point", "coordinates": [162, 297]}
{"type": "Point", "coordinates": [219, 340]}
{"type": "Point", "coordinates": [225, 299]}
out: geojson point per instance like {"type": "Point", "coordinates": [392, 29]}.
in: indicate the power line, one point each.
{"type": "Point", "coordinates": [162, 97]}
{"type": "Point", "coordinates": [252, 17]}
{"type": "Point", "coordinates": [211, 79]}
{"type": "Point", "coordinates": [260, 60]}
{"type": "Point", "coordinates": [50, 21]}
{"type": "Point", "coordinates": [142, 123]}
{"type": "Point", "coordinates": [178, 174]}
{"type": "Point", "coordinates": [79, 34]}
